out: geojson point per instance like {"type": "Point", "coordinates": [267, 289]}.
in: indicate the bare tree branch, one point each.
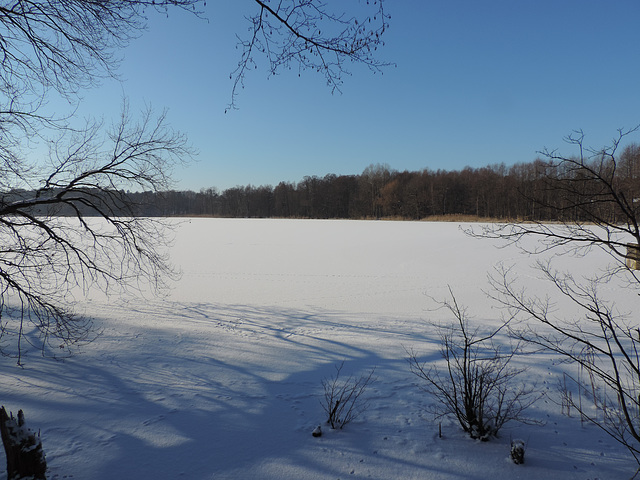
{"type": "Point", "coordinates": [72, 220]}
{"type": "Point", "coordinates": [599, 340]}
{"type": "Point", "coordinates": [343, 399]}
{"type": "Point", "coordinates": [596, 196]}
{"type": "Point", "coordinates": [307, 34]}
{"type": "Point", "coordinates": [81, 228]}
{"type": "Point", "coordinates": [595, 202]}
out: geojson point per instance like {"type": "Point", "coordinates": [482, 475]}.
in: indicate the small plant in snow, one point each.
{"type": "Point", "coordinates": [477, 385]}
{"type": "Point", "coordinates": [344, 399]}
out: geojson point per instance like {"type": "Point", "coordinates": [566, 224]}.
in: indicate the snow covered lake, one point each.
{"type": "Point", "coordinates": [221, 379]}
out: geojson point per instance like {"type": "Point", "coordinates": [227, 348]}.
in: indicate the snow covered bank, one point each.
{"type": "Point", "coordinates": [222, 378]}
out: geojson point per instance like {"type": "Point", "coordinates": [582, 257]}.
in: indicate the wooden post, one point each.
{"type": "Point", "coordinates": [25, 457]}
{"type": "Point", "coordinates": [517, 451]}
{"type": "Point", "coordinates": [633, 256]}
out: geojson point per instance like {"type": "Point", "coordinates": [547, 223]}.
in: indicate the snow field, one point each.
{"type": "Point", "coordinates": [221, 379]}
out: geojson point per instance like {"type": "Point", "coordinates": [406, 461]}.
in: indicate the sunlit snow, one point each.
{"type": "Point", "coordinates": [221, 379]}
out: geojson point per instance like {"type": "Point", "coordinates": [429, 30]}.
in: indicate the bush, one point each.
{"type": "Point", "coordinates": [343, 400]}
{"type": "Point", "coordinates": [478, 384]}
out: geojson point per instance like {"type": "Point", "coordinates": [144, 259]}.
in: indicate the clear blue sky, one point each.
{"type": "Point", "coordinates": [476, 83]}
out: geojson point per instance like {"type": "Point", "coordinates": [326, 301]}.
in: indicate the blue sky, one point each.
{"type": "Point", "coordinates": [476, 83]}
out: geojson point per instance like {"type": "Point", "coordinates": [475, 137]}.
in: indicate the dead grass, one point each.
{"type": "Point", "coordinates": [464, 218]}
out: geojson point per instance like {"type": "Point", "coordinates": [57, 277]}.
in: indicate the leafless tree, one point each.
{"type": "Point", "coordinates": [597, 199]}
{"type": "Point", "coordinates": [60, 47]}
{"type": "Point", "coordinates": [600, 343]}
{"type": "Point", "coordinates": [593, 199]}
{"type": "Point", "coordinates": [478, 385]}
{"type": "Point", "coordinates": [80, 228]}
{"type": "Point", "coordinates": [67, 219]}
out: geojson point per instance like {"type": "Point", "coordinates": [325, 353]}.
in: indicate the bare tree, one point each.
{"type": "Point", "coordinates": [478, 386]}
{"type": "Point", "coordinates": [596, 198]}
{"type": "Point", "coordinates": [59, 47]}
{"type": "Point", "coordinates": [601, 344]}
{"type": "Point", "coordinates": [50, 242]}
{"type": "Point", "coordinates": [67, 219]}
{"type": "Point", "coordinates": [80, 227]}
{"type": "Point", "coordinates": [593, 199]}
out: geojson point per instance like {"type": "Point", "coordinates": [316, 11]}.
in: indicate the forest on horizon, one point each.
{"type": "Point", "coordinates": [525, 191]}
{"type": "Point", "coordinates": [534, 191]}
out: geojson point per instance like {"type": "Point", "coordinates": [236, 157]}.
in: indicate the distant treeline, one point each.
{"type": "Point", "coordinates": [522, 191]}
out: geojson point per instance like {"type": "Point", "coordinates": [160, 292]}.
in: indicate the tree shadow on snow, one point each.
{"type": "Point", "coordinates": [205, 391]}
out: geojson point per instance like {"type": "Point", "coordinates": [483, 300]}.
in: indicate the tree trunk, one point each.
{"type": "Point", "coordinates": [25, 457]}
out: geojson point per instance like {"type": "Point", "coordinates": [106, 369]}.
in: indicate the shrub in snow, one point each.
{"type": "Point", "coordinates": [517, 451]}
{"type": "Point", "coordinates": [477, 385]}
{"type": "Point", "coordinates": [25, 457]}
{"type": "Point", "coordinates": [344, 398]}
{"type": "Point", "coordinates": [599, 211]}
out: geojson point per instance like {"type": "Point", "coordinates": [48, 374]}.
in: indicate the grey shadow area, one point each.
{"type": "Point", "coordinates": [203, 391]}
{"type": "Point", "coordinates": [214, 391]}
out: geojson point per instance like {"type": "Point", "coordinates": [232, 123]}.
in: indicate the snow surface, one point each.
{"type": "Point", "coordinates": [221, 379]}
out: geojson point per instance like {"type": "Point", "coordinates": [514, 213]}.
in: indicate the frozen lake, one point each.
{"type": "Point", "coordinates": [221, 379]}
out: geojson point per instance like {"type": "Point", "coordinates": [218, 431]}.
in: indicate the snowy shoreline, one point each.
{"type": "Point", "coordinates": [221, 379]}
